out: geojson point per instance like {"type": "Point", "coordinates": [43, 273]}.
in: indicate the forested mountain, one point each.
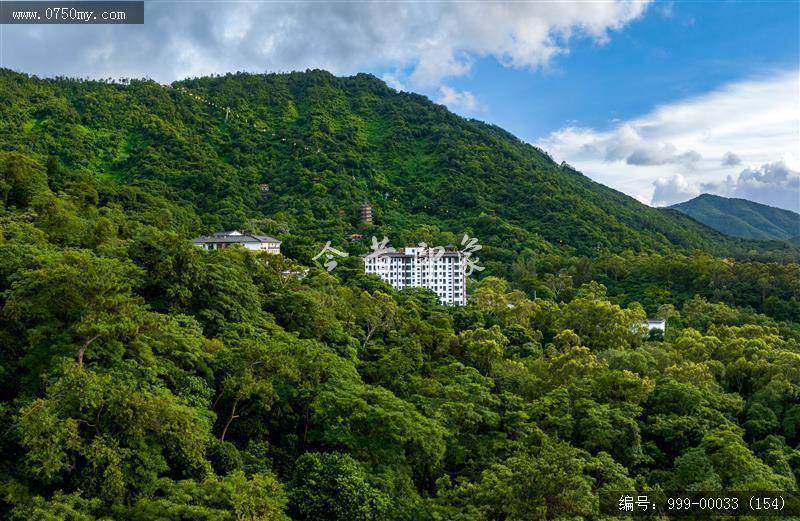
{"type": "Point", "coordinates": [742, 218]}
{"type": "Point", "coordinates": [326, 145]}
{"type": "Point", "coordinates": [144, 378]}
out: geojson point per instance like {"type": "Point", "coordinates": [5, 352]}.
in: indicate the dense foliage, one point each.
{"type": "Point", "coordinates": [743, 218]}
{"type": "Point", "coordinates": [326, 145]}
{"type": "Point", "coordinates": [144, 378]}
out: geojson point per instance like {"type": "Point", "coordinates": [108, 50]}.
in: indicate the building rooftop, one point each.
{"type": "Point", "coordinates": [403, 254]}
{"type": "Point", "coordinates": [234, 236]}
{"type": "Point", "coordinates": [655, 323]}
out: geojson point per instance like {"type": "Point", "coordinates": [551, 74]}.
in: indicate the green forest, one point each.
{"type": "Point", "coordinates": [143, 378]}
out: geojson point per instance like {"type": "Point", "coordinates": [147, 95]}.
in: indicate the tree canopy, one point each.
{"type": "Point", "coordinates": [144, 378]}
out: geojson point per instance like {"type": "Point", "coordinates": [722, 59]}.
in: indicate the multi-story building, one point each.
{"type": "Point", "coordinates": [250, 241]}
{"type": "Point", "coordinates": [366, 213]}
{"type": "Point", "coordinates": [442, 272]}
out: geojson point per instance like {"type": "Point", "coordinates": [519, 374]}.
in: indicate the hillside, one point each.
{"type": "Point", "coordinates": [325, 145]}
{"type": "Point", "coordinates": [143, 378]}
{"type": "Point", "coordinates": [742, 218]}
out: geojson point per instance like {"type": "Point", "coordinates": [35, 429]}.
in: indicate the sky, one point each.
{"type": "Point", "coordinates": [660, 100]}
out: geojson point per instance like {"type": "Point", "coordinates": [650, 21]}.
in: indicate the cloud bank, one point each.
{"type": "Point", "coordinates": [699, 145]}
{"type": "Point", "coordinates": [424, 42]}
{"type": "Point", "coordinates": [776, 184]}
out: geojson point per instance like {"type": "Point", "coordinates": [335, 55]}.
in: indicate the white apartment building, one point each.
{"type": "Point", "coordinates": [415, 267]}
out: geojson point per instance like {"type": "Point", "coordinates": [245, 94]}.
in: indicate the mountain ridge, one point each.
{"type": "Point", "coordinates": [742, 217]}
{"type": "Point", "coordinates": [327, 144]}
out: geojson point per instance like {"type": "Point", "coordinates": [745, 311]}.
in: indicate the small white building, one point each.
{"type": "Point", "coordinates": [656, 323]}
{"type": "Point", "coordinates": [417, 268]}
{"type": "Point", "coordinates": [222, 240]}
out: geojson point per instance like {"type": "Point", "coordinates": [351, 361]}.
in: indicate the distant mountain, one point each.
{"type": "Point", "coordinates": [743, 218]}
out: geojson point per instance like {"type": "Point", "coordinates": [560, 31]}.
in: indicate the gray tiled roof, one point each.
{"type": "Point", "coordinates": [265, 238]}
{"type": "Point", "coordinates": [230, 238]}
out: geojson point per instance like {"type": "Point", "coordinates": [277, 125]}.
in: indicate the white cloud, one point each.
{"type": "Point", "coordinates": [665, 9]}
{"type": "Point", "coordinates": [460, 101]}
{"type": "Point", "coordinates": [751, 122]}
{"type": "Point", "coordinates": [393, 80]}
{"type": "Point", "coordinates": [661, 155]}
{"type": "Point", "coordinates": [430, 41]}
{"type": "Point", "coordinates": [731, 159]}
{"type": "Point", "coordinates": [673, 190]}
{"type": "Point", "coordinates": [775, 184]}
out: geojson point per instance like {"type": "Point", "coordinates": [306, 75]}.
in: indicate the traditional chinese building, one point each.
{"type": "Point", "coordinates": [439, 269]}
{"type": "Point", "coordinates": [221, 240]}
{"type": "Point", "coordinates": [366, 213]}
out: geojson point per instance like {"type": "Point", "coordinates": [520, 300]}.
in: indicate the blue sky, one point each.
{"type": "Point", "coordinates": [672, 52]}
{"type": "Point", "coordinates": [661, 100]}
